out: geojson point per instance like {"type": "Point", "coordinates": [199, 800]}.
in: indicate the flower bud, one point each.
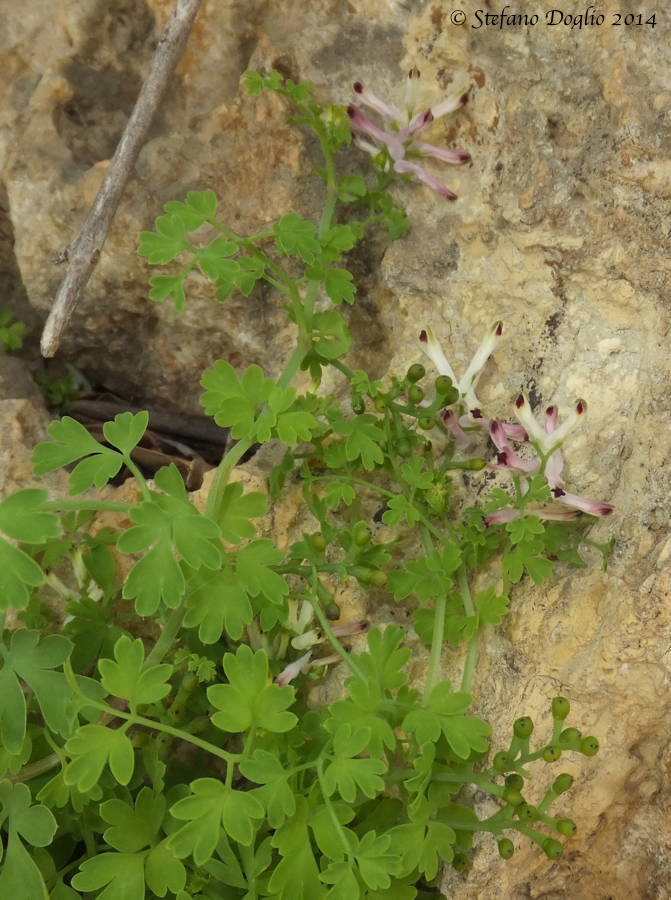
{"type": "Point", "coordinates": [551, 753]}
{"type": "Point", "coordinates": [552, 848]}
{"type": "Point", "coordinates": [416, 372]}
{"type": "Point", "coordinates": [566, 827]}
{"type": "Point", "coordinates": [589, 746]}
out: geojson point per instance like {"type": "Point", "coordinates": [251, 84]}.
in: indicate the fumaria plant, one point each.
{"type": "Point", "coordinates": [164, 738]}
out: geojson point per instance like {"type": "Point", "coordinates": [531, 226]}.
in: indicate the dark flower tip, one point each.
{"type": "Point", "coordinates": [463, 99]}
{"type": "Point", "coordinates": [358, 87]}
{"type": "Point", "coordinates": [414, 72]}
{"type": "Point", "coordinates": [428, 116]}
{"type": "Point", "coordinates": [351, 111]}
{"type": "Point", "coordinates": [464, 157]}
{"type": "Point", "coordinates": [550, 411]}
{"type": "Point", "coordinates": [499, 325]}
{"type": "Point", "coordinates": [519, 403]}
{"type": "Point", "coordinates": [502, 458]}
{"type": "Point", "coordinates": [476, 413]}
{"type": "Point", "coordinates": [423, 336]}
{"type": "Point", "coordinates": [558, 492]}
{"type": "Point", "coordinates": [581, 407]}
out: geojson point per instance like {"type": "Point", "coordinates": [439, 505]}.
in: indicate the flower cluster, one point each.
{"type": "Point", "coordinates": [545, 440]}
{"type": "Point", "coordinates": [398, 139]}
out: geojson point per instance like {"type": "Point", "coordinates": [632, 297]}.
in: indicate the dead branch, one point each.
{"type": "Point", "coordinates": [83, 253]}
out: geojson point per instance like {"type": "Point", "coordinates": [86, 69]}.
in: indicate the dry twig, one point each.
{"type": "Point", "coordinates": [83, 253]}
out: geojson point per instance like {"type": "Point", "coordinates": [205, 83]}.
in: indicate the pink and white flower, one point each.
{"type": "Point", "coordinates": [397, 137]}
{"type": "Point", "coordinates": [546, 441]}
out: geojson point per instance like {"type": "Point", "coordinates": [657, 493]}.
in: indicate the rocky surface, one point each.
{"type": "Point", "coordinates": [561, 230]}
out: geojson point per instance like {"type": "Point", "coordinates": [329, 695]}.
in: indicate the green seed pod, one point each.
{"type": "Point", "coordinates": [416, 372]}
{"type": "Point", "coordinates": [502, 761]}
{"type": "Point", "coordinates": [426, 423]}
{"type": "Point", "coordinates": [562, 783]}
{"type": "Point", "coordinates": [506, 848]}
{"type": "Point", "coordinates": [460, 862]}
{"type": "Point", "coordinates": [380, 403]}
{"type": "Point", "coordinates": [361, 534]}
{"type": "Point", "coordinates": [415, 394]}
{"type": "Point", "coordinates": [560, 708]}
{"type": "Point", "coordinates": [552, 848]}
{"type": "Point", "coordinates": [189, 683]}
{"type": "Point", "coordinates": [523, 727]}
{"type": "Point", "coordinates": [566, 827]}
{"type": "Point", "coordinates": [589, 746]}
{"type": "Point", "coordinates": [515, 781]}
{"type": "Point", "coordinates": [358, 405]}
{"type": "Point", "coordinates": [512, 796]}
{"type": "Point", "coordinates": [332, 612]}
{"type": "Point", "coordinates": [318, 541]}
{"type": "Point", "coordinates": [378, 578]}
{"type": "Point", "coordinates": [551, 753]}
{"type": "Point", "coordinates": [570, 737]}
{"type": "Point", "coordinates": [443, 385]}
{"type": "Point", "coordinates": [451, 397]}
{"type": "Point", "coordinates": [526, 812]}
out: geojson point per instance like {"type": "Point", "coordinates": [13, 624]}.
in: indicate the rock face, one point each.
{"type": "Point", "coordinates": [561, 230]}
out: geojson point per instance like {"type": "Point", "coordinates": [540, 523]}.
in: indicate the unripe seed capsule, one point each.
{"type": "Point", "coordinates": [506, 848]}
{"type": "Point", "coordinates": [318, 542]}
{"type": "Point", "coordinates": [380, 404]}
{"type": "Point", "coordinates": [451, 397]}
{"type": "Point", "coordinates": [523, 727]}
{"type": "Point", "coordinates": [378, 578]}
{"type": "Point", "coordinates": [361, 534]}
{"type": "Point", "coordinates": [562, 783]}
{"type": "Point", "coordinates": [560, 708]}
{"type": "Point", "coordinates": [415, 394]}
{"type": "Point", "coordinates": [566, 827]}
{"type": "Point", "coordinates": [552, 848]}
{"type": "Point", "coordinates": [358, 405]}
{"type": "Point", "coordinates": [443, 384]}
{"type": "Point", "coordinates": [196, 726]}
{"type": "Point", "coordinates": [426, 424]}
{"type": "Point", "coordinates": [551, 753]}
{"type": "Point", "coordinates": [515, 781]}
{"type": "Point", "coordinates": [502, 761]}
{"type": "Point", "coordinates": [589, 746]}
{"type": "Point", "coordinates": [332, 611]}
{"type": "Point", "coordinates": [526, 812]}
{"type": "Point", "coordinates": [189, 683]}
{"type": "Point", "coordinates": [512, 796]}
{"type": "Point", "coordinates": [416, 372]}
{"type": "Point", "coordinates": [570, 737]}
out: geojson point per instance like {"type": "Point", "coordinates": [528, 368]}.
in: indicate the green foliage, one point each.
{"type": "Point", "coordinates": [11, 333]}
{"type": "Point", "coordinates": [174, 726]}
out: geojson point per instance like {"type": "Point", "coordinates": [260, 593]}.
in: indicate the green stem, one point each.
{"type": "Point", "coordinates": [328, 631]}
{"type": "Point", "coordinates": [152, 724]}
{"type": "Point", "coordinates": [472, 652]}
{"type": "Point", "coordinates": [37, 768]}
{"type": "Point", "coordinates": [438, 635]}
{"type": "Point", "coordinates": [167, 636]}
{"type": "Point", "coordinates": [100, 505]}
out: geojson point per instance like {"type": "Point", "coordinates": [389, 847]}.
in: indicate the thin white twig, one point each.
{"type": "Point", "coordinates": [83, 252]}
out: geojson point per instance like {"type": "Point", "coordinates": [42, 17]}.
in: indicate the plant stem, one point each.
{"type": "Point", "coordinates": [438, 635]}
{"type": "Point", "coordinates": [472, 652]}
{"type": "Point", "coordinates": [37, 768]}
{"type": "Point", "coordinates": [100, 505]}
{"type": "Point", "coordinates": [328, 631]}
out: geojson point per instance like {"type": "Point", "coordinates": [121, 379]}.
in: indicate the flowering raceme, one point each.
{"type": "Point", "coordinates": [398, 138]}
{"type": "Point", "coordinates": [546, 440]}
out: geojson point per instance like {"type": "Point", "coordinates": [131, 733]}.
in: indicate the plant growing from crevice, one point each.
{"type": "Point", "coordinates": [159, 741]}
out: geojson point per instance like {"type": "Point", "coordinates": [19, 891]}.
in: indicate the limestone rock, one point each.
{"type": "Point", "coordinates": [561, 230]}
